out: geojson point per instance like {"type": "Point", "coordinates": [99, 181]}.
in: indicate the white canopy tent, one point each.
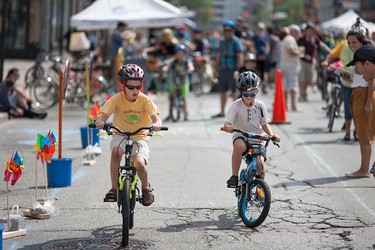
{"type": "Point", "coordinates": [105, 14]}
{"type": "Point", "coordinates": [344, 22]}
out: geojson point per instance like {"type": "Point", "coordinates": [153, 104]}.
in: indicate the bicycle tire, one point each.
{"type": "Point", "coordinates": [257, 195]}
{"type": "Point", "coordinates": [331, 116]}
{"type": "Point", "coordinates": [176, 108]}
{"type": "Point", "coordinates": [100, 95]}
{"type": "Point", "coordinates": [44, 93]}
{"type": "Point", "coordinates": [125, 211]}
{"type": "Point", "coordinates": [132, 206]}
{"type": "Point", "coordinates": [33, 74]}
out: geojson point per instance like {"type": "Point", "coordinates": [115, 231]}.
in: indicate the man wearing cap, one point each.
{"type": "Point", "coordinates": [364, 61]}
{"type": "Point", "coordinates": [365, 65]}
{"type": "Point", "coordinates": [229, 58]}
{"type": "Point", "coordinates": [362, 103]}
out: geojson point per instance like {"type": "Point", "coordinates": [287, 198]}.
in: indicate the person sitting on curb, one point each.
{"type": "Point", "coordinates": [14, 99]}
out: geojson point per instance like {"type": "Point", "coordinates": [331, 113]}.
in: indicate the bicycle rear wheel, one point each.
{"type": "Point", "coordinates": [176, 108]}
{"type": "Point", "coordinates": [44, 93]}
{"type": "Point", "coordinates": [255, 204]}
{"type": "Point", "coordinates": [125, 211]}
{"type": "Point", "coordinates": [33, 73]}
{"type": "Point", "coordinates": [99, 89]}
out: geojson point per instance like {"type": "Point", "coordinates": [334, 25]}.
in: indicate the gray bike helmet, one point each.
{"type": "Point", "coordinates": [130, 72]}
{"type": "Point", "coordinates": [247, 81]}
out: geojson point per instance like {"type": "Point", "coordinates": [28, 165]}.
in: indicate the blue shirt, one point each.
{"type": "Point", "coordinates": [116, 43]}
{"type": "Point", "coordinates": [260, 44]}
{"type": "Point", "coordinates": [229, 50]}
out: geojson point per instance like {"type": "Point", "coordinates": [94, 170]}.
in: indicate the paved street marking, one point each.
{"type": "Point", "coordinates": [318, 161]}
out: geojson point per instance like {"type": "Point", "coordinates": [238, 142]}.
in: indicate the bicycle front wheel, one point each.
{"type": "Point", "coordinates": [331, 116]}
{"type": "Point", "coordinates": [125, 211]}
{"type": "Point", "coordinates": [255, 203]}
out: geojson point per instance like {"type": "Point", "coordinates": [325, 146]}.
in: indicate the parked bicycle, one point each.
{"type": "Point", "coordinates": [127, 192]}
{"type": "Point", "coordinates": [335, 100]}
{"type": "Point", "coordinates": [254, 195]}
{"type": "Point", "coordinates": [38, 70]}
{"type": "Point", "coordinates": [44, 90]}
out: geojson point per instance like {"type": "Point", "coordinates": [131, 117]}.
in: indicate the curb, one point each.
{"type": "Point", "coordinates": [3, 117]}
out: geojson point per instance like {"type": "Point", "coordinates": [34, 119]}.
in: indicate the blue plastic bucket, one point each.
{"type": "Point", "coordinates": [59, 172]}
{"type": "Point", "coordinates": [2, 226]}
{"type": "Point", "coordinates": [94, 137]}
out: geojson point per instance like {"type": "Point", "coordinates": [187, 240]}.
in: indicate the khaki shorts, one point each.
{"type": "Point", "coordinates": [306, 72]}
{"type": "Point", "coordinates": [364, 123]}
{"type": "Point", "coordinates": [140, 147]}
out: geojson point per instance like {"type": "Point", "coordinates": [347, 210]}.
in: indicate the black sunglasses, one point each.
{"type": "Point", "coordinates": [131, 87]}
{"type": "Point", "coordinates": [227, 30]}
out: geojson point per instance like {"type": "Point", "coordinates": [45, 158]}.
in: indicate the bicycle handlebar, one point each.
{"type": "Point", "coordinates": [265, 138]}
{"type": "Point", "coordinates": [108, 126]}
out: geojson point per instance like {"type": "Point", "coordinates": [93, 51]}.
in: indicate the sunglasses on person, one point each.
{"type": "Point", "coordinates": [227, 30]}
{"type": "Point", "coordinates": [252, 95]}
{"type": "Point", "coordinates": [131, 87]}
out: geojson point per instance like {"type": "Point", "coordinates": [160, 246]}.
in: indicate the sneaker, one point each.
{"type": "Point", "coordinates": [233, 181]}
{"type": "Point", "coordinates": [218, 116]}
{"type": "Point", "coordinates": [147, 196]}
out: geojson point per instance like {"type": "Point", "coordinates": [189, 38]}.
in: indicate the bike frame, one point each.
{"type": "Point", "coordinates": [249, 172]}
{"type": "Point", "coordinates": [127, 171]}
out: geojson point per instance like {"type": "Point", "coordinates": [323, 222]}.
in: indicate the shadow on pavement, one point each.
{"type": "Point", "coordinates": [103, 238]}
{"type": "Point", "coordinates": [317, 182]}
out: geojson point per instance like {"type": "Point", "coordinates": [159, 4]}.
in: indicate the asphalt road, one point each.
{"type": "Point", "coordinates": [314, 206]}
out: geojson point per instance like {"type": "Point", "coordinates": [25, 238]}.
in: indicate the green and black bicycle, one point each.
{"type": "Point", "coordinates": [127, 192]}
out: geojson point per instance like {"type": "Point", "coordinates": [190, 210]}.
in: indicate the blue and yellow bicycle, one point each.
{"type": "Point", "coordinates": [253, 193]}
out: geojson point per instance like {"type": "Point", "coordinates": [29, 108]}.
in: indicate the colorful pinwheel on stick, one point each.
{"type": "Point", "coordinates": [45, 145]}
{"type": "Point", "coordinates": [13, 169]}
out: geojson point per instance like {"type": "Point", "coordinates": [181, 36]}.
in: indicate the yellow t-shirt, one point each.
{"type": "Point", "coordinates": [336, 51]}
{"type": "Point", "coordinates": [129, 116]}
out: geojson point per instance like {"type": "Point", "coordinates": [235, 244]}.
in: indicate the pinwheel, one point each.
{"type": "Point", "coordinates": [45, 146]}
{"type": "Point", "coordinates": [94, 112]}
{"type": "Point", "coordinates": [13, 169]}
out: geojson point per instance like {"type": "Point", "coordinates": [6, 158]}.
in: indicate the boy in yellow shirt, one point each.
{"type": "Point", "coordinates": [131, 110]}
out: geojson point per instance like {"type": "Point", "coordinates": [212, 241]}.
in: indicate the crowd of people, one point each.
{"type": "Point", "coordinates": [243, 63]}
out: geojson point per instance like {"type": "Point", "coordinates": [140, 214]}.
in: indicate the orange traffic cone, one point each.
{"type": "Point", "coordinates": [279, 107]}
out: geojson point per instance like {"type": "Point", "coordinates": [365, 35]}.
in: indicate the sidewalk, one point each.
{"type": "Point", "coordinates": [3, 117]}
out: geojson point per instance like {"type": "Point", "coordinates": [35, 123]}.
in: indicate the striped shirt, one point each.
{"type": "Point", "coordinates": [229, 49]}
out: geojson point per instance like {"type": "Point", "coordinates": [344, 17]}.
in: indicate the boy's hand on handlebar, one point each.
{"type": "Point", "coordinates": [227, 128]}
{"type": "Point", "coordinates": [275, 137]}
{"type": "Point", "coordinates": [156, 126]}
{"type": "Point", "coordinates": [99, 124]}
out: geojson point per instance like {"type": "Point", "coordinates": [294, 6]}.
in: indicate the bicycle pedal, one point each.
{"type": "Point", "coordinates": [231, 186]}
{"type": "Point", "coordinates": [109, 200]}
